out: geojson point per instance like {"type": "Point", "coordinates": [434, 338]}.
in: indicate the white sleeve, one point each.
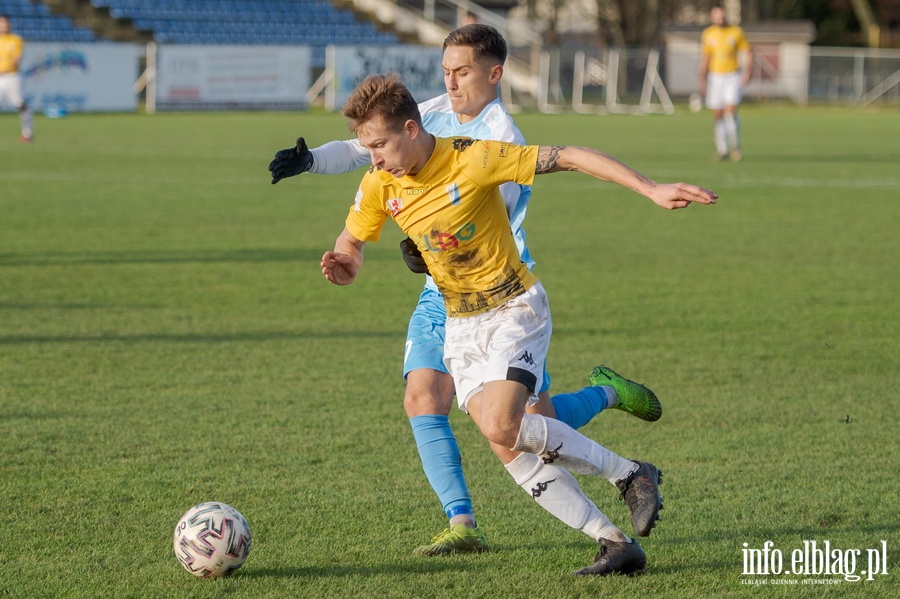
{"type": "Point", "coordinates": [338, 157]}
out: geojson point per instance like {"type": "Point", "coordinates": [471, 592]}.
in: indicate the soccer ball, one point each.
{"type": "Point", "coordinates": [212, 540]}
{"type": "Point", "coordinates": [695, 103]}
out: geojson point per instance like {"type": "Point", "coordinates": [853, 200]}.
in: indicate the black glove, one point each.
{"type": "Point", "coordinates": [413, 257]}
{"type": "Point", "coordinates": [290, 162]}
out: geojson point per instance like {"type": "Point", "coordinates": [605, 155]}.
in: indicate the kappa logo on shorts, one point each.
{"type": "Point", "coordinates": [526, 357]}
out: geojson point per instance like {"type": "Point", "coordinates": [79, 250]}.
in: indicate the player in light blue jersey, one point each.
{"type": "Point", "coordinates": [473, 58]}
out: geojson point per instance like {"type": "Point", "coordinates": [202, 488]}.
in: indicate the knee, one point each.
{"type": "Point", "coordinates": [501, 430]}
{"type": "Point", "coordinates": [422, 401]}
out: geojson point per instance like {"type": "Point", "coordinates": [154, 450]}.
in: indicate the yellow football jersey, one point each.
{"type": "Point", "coordinates": [722, 45]}
{"type": "Point", "coordinates": [10, 52]}
{"type": "Point", "coordinates": [454, 212]}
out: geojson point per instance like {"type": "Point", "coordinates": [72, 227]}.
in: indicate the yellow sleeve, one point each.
{"type": "Point", "coordinates": [500, 161]}
{"type": "Point", "coordinates": [367, 215]}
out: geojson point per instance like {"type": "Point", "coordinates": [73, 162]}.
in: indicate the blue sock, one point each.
{"type": "Point", "coordinates": [577, 409]}
{"type": "Point", "coordinates": [442, 462]}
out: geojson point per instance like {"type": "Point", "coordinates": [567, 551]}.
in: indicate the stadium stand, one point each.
{"type": "Point", "coordinates": [316, 23]}
{"type": "Point", "coordinates": [35, 22]}
{"type": "Point", "coordinates": [283, 22]}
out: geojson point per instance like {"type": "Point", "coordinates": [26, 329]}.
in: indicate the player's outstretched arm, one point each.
{"type": "Point", "coordinates": [342, 265]}
{"type": "Point", "coordinates": [601, 166]}
{"type": "Point", "coordinates": [291, 161]}
{"type": "Point", "coordinates": [332, 158]}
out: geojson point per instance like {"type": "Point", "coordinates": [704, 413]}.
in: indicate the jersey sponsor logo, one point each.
{"type": "Point", "coordinates": [479, 301]}
{"type": "Point", "coordinates": [460, 145]}
{"type": "Point", "coordinates": [453, 192]}
{"type": "Point", "coordinates": [416, 191]}
{"type": "Point", "coordinates": [394, 206]}
{"type": "Point", "coordinates": [438, 241]}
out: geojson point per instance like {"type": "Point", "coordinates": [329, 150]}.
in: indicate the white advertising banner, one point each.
{"type": "Point", "coordinates": [80, 77]}
{"type": "Point", "coordinates": [232, 77]}
{"type": "Point", "coordinates": [419, 66]}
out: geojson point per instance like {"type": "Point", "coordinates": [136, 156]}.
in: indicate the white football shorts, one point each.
{"type": "Point", "coordinates": [508, 343]}
{"type": "Point", "coordinates": [11, 89]}
{"type": "Point", "coordinates": [723, 89]}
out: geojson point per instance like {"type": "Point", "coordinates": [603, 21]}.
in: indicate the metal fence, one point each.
{"type": "Point", "coordinates": [858, 76]}
{"type": "Point", "coordinates": [629, 80]}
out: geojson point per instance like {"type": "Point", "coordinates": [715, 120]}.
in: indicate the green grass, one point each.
{"type": "Point", "coordinates": [166, 338]}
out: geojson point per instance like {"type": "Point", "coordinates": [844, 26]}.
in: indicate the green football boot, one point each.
{"type": "Point", "coordinates": [455, 539]}
{"type": "Point", "coordinates": [634, 398]}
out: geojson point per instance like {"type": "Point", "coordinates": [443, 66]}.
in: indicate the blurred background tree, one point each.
{"type": "Point", "coordinates": [621, 23]}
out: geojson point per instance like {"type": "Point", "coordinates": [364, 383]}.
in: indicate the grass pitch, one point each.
{"type": "Point", "coordinates": [166, 339]}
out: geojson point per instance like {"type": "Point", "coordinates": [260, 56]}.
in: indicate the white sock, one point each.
{"type": "Point", "coordinates": [612, 398]}
{"type": "Point", "coordinates": [556, 442]}
{"type": "Point", "coordinates": [26, 119]}
{"type": "Point", "coordinates": [719, 137]}
{"type": "Point", "coordinates": [467, 520]}
{"type": "Point", "coordinates": [557, 491]}
{"type": "Point", "coordinates": [731, 133]}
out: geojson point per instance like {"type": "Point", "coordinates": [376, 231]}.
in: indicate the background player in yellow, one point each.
{"type": "Point", "coordinates": [444, 194]}
{"type": "Point", "coordinates": [10, 83]}
{"type": "Point", "coordinates": [722, 80]}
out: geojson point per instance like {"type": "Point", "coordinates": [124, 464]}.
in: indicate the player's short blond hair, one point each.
{"type": "Point", "coordinates": [384, 97]}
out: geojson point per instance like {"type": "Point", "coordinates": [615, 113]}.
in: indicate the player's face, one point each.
{"type": "Point", "coordinates": [4, 26]}
{"type": "Point", "coordinates": [390, 150]}
{"type": "Point", "coordinates": [717, 16]}
{"type": "Point", "coordinates": [470, 85]}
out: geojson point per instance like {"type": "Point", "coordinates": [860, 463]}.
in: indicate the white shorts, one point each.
{"type": "Point", "coordinates": [508, 343]}
{"type": "Point", "coordinates": [723, 89]}
{"type": "Point", "coordinates": [11, 89]}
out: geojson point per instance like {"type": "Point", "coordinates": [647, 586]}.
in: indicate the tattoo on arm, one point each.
{"type": "Point", "coordinates": [548, 159]}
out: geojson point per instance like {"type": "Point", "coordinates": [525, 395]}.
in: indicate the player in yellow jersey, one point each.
{"type": "Point", "coordinates": [472, 60]}
{"type": "Point", "coordinates": [444, 194]}
{"type": "Point", "coordinates": [10, 83]}
{"type": "Point", "coordinates": [722, 80]}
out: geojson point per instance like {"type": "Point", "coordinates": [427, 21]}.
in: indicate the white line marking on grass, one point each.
{"type": "Point", "coordinates": [789, 182]}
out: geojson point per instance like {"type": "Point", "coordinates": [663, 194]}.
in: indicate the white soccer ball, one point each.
{"type": "Point", "coordinates": [212, 540]}
{"type": "Point", "coordinates": [695, 102]}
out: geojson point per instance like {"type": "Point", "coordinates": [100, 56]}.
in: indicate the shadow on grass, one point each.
{"type": "Point", "coordinates": [810, 533]}
{"type": "Point", "coordinates": [103, 258]}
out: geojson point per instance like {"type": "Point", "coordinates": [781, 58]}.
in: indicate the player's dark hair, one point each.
{"type": "Point", "coordinates": [382, 96]}
{"type": "Point", "coordinates": [485, 41]}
